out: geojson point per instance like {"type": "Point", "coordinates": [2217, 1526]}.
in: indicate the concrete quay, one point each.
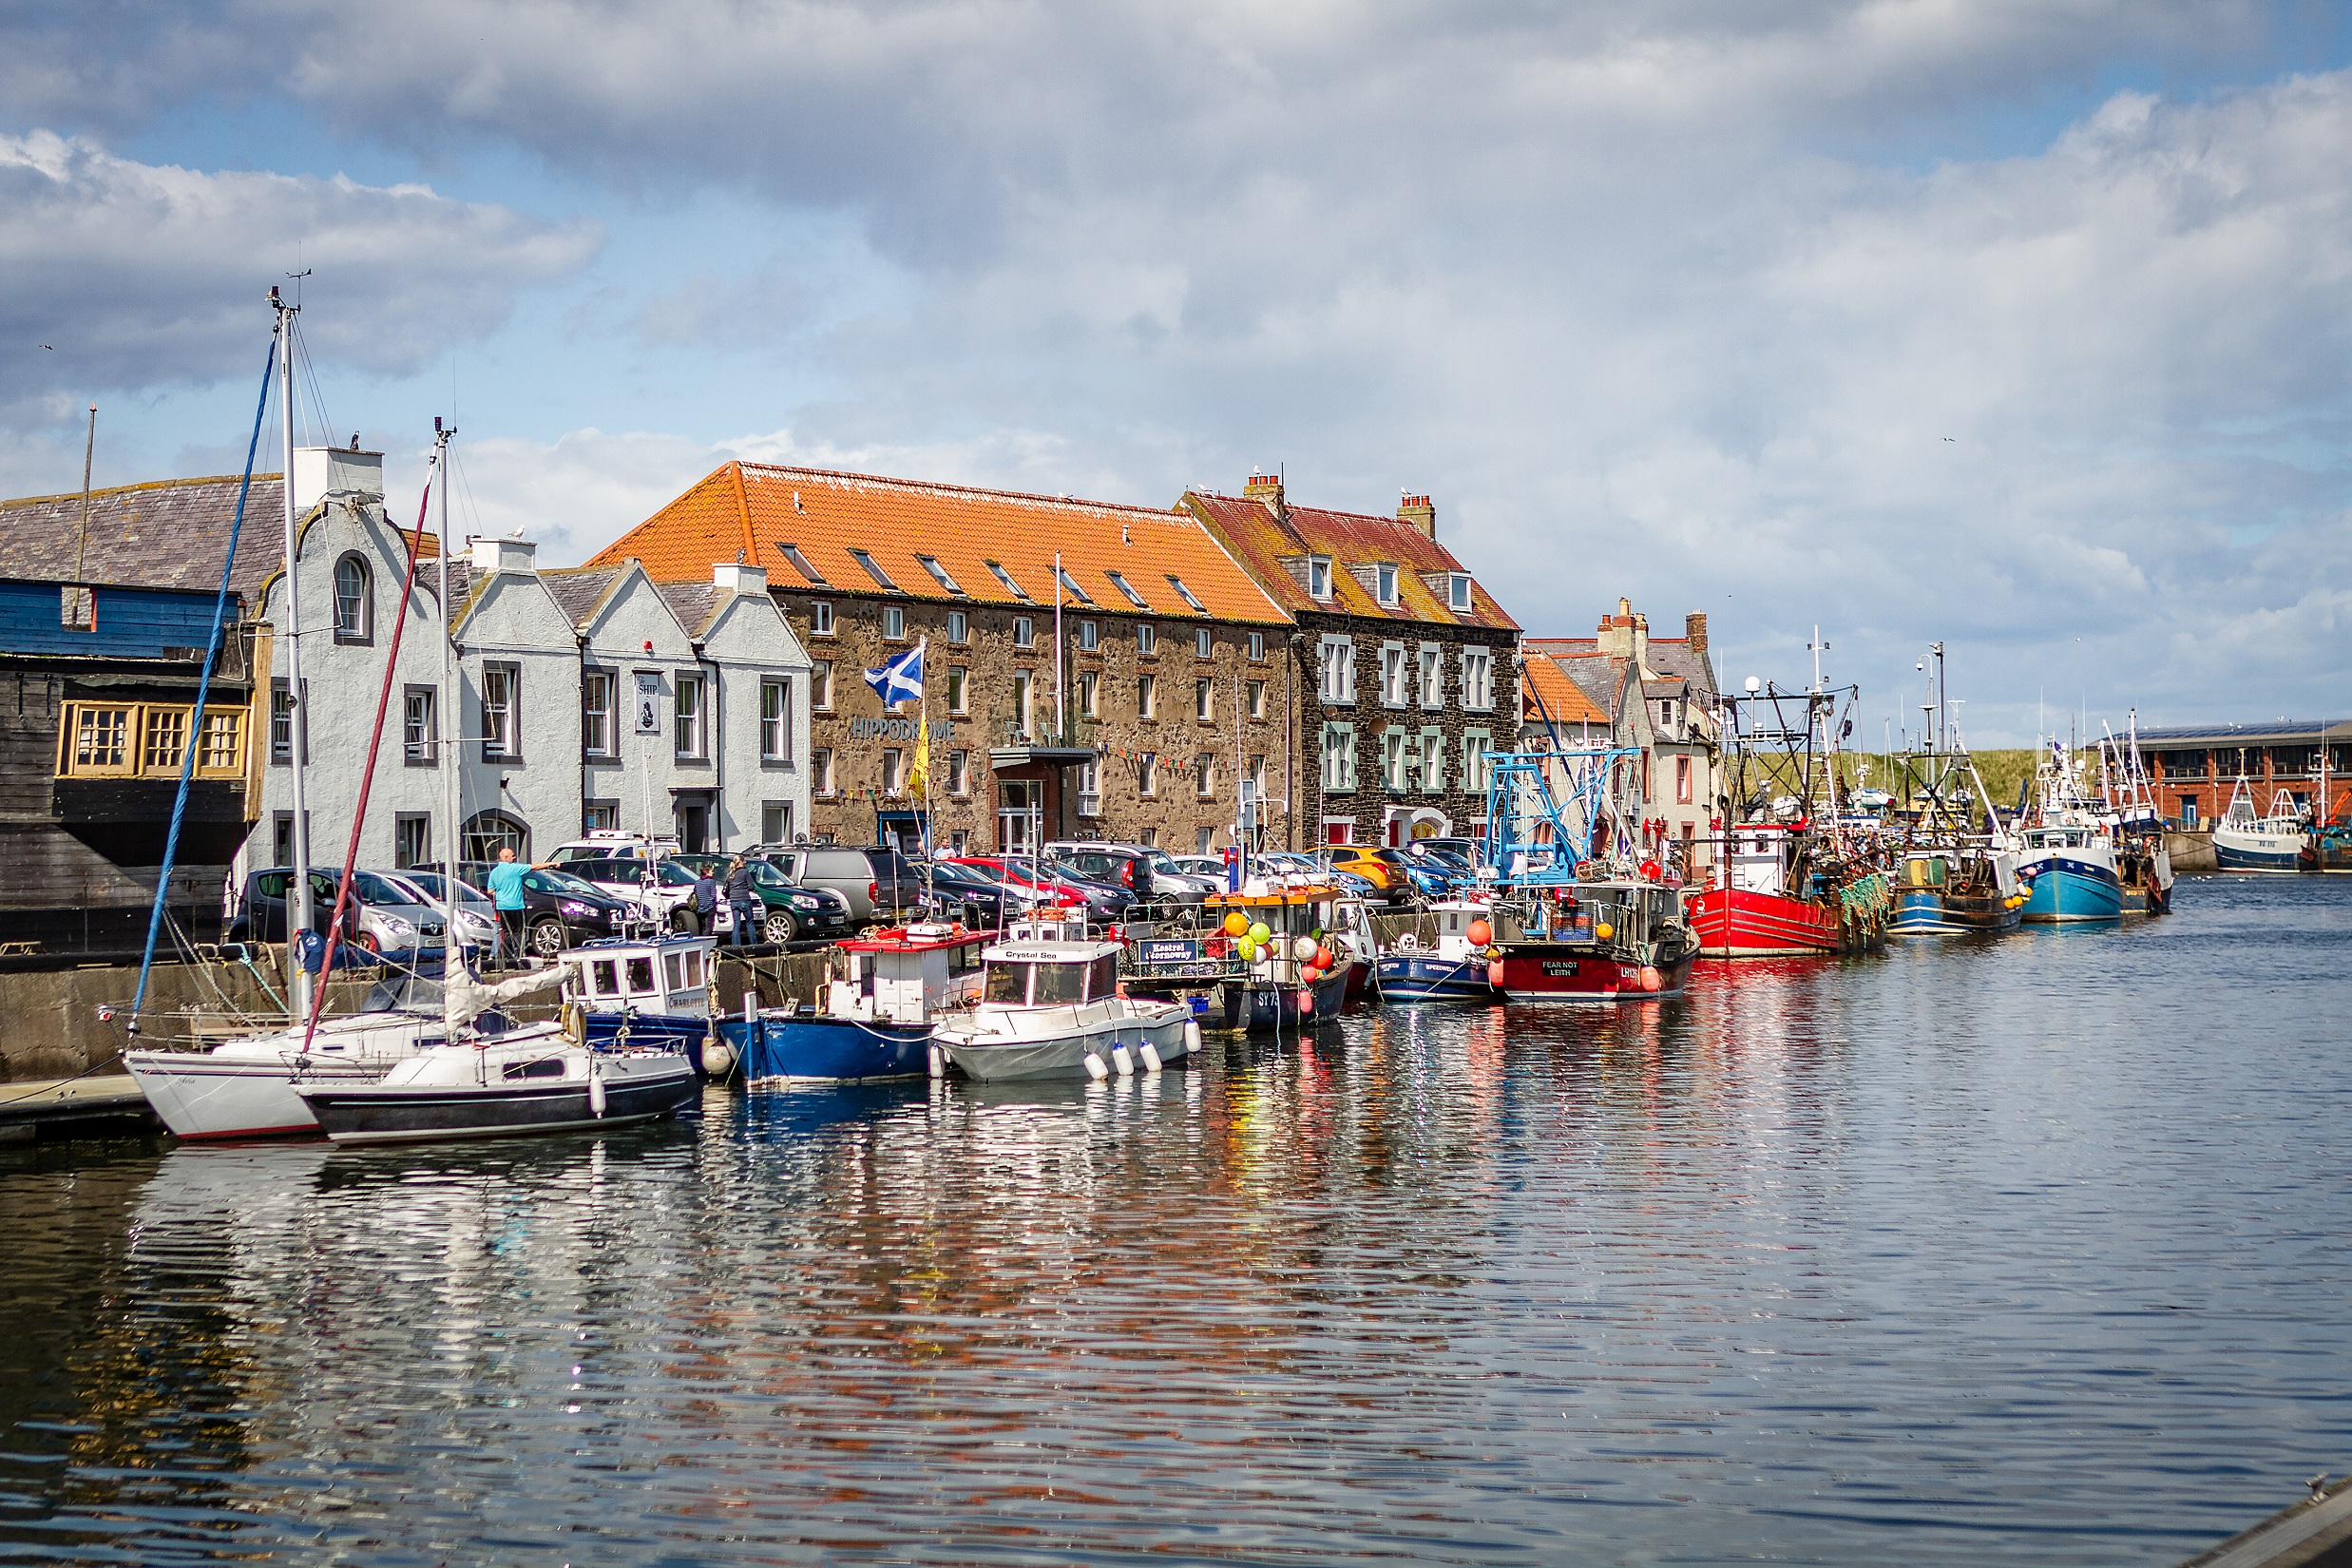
{"type": "Point", "coordinates": [102, 1104]}
{"type": "Point", "coordinates": [2314, 1532]}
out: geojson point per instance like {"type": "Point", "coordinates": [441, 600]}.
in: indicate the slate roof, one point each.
{"type": "Point", "coordinates": [577, 590]}
{"type": "Point", "coordinates": [1671, 658]}
{"type": "Point", "coordinates": [694, 603]}
{"type": "Point", "coordinates": [750, 511]}
{"type": "Point", "coordinates": [173, 533]}
{"type": "Point", "coordinates": [2286, 730]}
{"type": "Point", "coordinates": [1262, 539]}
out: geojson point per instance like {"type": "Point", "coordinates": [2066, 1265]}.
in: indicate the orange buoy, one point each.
{"type": "Point", "coordinates": [1322, 958]}
{"type": "Point", "coordinates": [1481, 934]}
{"type": "Point", "coordinates": [1650, 979]}
{"type": "Point", "coordinates": [1306, 1003]}
{"type": "Point", "coordinates": [1494, 973]}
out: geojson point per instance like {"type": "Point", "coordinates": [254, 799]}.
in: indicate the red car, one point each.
{"type": "Point", "coordinates": [1019, 872]}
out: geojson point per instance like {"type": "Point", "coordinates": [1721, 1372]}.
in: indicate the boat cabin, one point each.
{"type": "Point", "coordinates": [906, 975]}
{"type": "Point", "coordinates": [671, 976]}
{"type": "Point", "coordinates": [1758, 861]}
{"type": "Point", "coordinates": [1051, 974]}
{"type": "Point", "coordinates": [1454, 919]}
{"type": "Point", "coordinates": [2062, 838]}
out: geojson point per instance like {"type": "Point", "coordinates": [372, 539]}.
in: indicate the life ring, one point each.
{"type": "Point", "coordinates": [1408, 943]}
{"type": "Point", "coordinates": [575, 1023]}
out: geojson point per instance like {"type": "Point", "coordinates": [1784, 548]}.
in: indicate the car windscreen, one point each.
{"type": "Point", "coordinates": [561, 882]}
{"type": "Point", "coordinates": [675, 875]}
{"type": "Point", "coordinates": [378, 889]}
{"type": "Point", "coordinates": [766, 875]}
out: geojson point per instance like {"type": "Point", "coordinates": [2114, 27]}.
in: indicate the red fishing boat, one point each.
{"type": "Point", "coordinates": [1598, 941]}
{"type": "Point", "coordinates": [1748, 912]}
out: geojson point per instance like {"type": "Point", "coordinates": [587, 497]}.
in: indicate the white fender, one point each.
{"type": "Point", "coordinates": [1191, 1036]}
{"type": "Point", "coordinates": [596, 1089]}
{"type": "Point", "coordinates": [1095, 1069]}
{"type": "Point", "coordinates": [1150, 1055]}
{"type": "Point", "coordinates": [1121, 1059]}
{"type": "Point", "coordinates": [939, 1063]}
{"type": "Point", "coordinates": [718, 1057]}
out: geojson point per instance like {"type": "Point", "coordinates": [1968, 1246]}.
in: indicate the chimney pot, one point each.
{"type": "Point", "coordinates": [1420, 511]}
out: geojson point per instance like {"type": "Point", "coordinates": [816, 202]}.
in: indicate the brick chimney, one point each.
{"type": "Point", "coordinates": [1421, 512]}
{"type": "Point", "coordinates": [1695, 629]}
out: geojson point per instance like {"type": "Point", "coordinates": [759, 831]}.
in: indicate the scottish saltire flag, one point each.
{"type": "Point", "coordinates": [899, 679]}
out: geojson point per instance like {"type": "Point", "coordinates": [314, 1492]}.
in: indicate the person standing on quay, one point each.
{"type": "Point", "coordinates": [742, 901]}
{"type": "Point", "coordinates": [705, 900]}
{"type": "Point", "coordinates": [506, 887]}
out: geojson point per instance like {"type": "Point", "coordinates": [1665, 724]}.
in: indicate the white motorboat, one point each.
{"type": "Point", "coordinates": [533, 1079]}
{"type": "Point", "coordinates": [1051, 1008]}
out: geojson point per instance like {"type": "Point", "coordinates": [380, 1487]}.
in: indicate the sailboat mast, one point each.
{"type": "Point", "coordinates": [299, 902]}
{"type": "Point", "coordinates": [446, 728]}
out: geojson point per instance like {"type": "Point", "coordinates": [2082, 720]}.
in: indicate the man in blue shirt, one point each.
{"type": "Point", "coordinates": [505, 889]}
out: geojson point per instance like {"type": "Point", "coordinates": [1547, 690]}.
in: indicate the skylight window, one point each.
{"type": "Point", "coordinates": [1128, 588]}
{"type": "Point", "coordinates": [1007, 578]}
{"type": "Point", "coordinates": [1176, 582]}
{"type": "Point", "coordinates": [800, 564]}
{"type": "Point", "coordinates": [873, 569]}
{"type": "Point", "coordinates": [939, 573]}
{"type": "Point", "coordinates": [1069, 584]}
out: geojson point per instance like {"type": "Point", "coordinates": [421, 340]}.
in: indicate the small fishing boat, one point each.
{"type": "Point", "coordinates": [1777, 893]}
{"type": "Point", "coordinates": [2330, 846]}
{"type": "Point", "coordinates": [874, 1019]}
{"type": "Point", "coordinates": [1450, 964]}
{"type": "Point", "coordinates": [2069, 875]}
{"type": "Point", "coordinates": [1295, 977]}
{"type": "Point", "coordinates": [1955, 891]}
{"type": "Point", "coordinates": [654, 992]}
{"type": "Point", "coordinates": [1051, 1009]}
{"type": "Point", "coordinates": [2244, 842]}
{"type": "Point", "coordinates": [1617, 940]}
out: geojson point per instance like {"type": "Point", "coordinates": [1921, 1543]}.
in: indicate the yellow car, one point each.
{"type": "Point", "coordinates": [1381, 866]}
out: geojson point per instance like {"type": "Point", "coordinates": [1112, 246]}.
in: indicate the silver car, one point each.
{"type": "Point", "coordinates": [477, 919]}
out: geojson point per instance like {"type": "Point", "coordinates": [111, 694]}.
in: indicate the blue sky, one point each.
{"type": "Point", "coordinates": [2019, 326]}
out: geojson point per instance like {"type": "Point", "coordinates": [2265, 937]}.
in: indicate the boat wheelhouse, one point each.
{"type": "Point", "coordinates": [1949, 891]}
{"type": "Point", "coordinates": [1619, 940]}
{"type": "Point", "coordinates": [1450, 964]}
{"type": "Point", "coordinates": [2244, 842]}
{"type": "Point", "coordinates": [2068, 870]}
{"type": "Point", "coordinates": [875, 1014]}
{"type": "Point", "coordinates": [655, 991]}
{"type": "Point", "coordinates": [1288, 984]}
{"type": "Point", "coordinates": [1050, 1009]}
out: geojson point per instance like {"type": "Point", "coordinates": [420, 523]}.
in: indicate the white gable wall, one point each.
{"type": "Point", "coordinates": [643, 782]}
{"type": "Point", "coordinates": [514, 625]}
{"type": "Point", "coordinates": [747, 645]}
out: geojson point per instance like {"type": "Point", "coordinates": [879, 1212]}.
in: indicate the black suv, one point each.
{"type": "Point", "coordinates": [559, 910]}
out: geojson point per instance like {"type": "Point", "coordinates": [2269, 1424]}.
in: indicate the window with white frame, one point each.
{"type": "Point", "coordinates": [1089, 636]}
{"type": "Point", "coordinates": [1458, 592]}
{"type": "Point", "coordinates": [419, 733]}
{"type": "Point", "coordinates": [596, 713]}
{"type": "Point", "coordinates": [1258, 775]}
{"type": "Point", "coordinates": [1089, 790]}
{"type": "Point", "coordinates": [1024, 632]}
{"type": "Point", "coordinates": [1147, 695]}
{"type": "Point", "coordinates": [1432, 762]}
{"type": "Point", "coordinates": [689, 733]}
{"type": "Point", "coordinates": [1025, 687]}
{"type": "Point", "coordinates": [1393, 760]}
{"type": "Point", "coordinates": [354, 603]}
{"type": "Point", "coordinates": [776, 721]}
{"type": "Point", "coordinates": [893, 623]}
{"type": "Point", "coordinates": [1432, 675]}
{"type": "Point", "coordinates": [1147, 776]}
{"type": "Point", "coordinates": [821, 769]}
{"type": "Point", "coordinates": [1186, 594]}
{"type": "Point", "coordinates": [959, 628]}
{"type": "Point", "coordinates": [1478, 679]}
{"type": "Point", "coordinates": [893, 770]}
{"type": "Point", "coordinates": [1090, 693]}
{"type": "Point", "coordinates": [1147, 640]}
{"type": "Point", "coordinates": [1319, 576]}
{"type": "Point", "coordinates": [499, 742]}
{"type": "Point", "coordinates": [820, 619]}
{"type": "Point", "coordinates": [1257, 700]}
{"type": "Point", "coordinates": [1204, 699]}
{"type": "Point", "coordinates": [1385, 584]}
{"type": "Point", "coordinates": [959, 772]}
{"type": "Point", "coordinates": [1475, 772]}
{"type": "Point", "coordinates": [1682, 781]}
{"type": "Point", "coordinates": [1257, 646]}
{"type": "Point", "coordinates": [1204, 643]}
{"type": "Point", "coordinates": [958, 688]}
{"type": "Point", "coordinates": [1204, 775]}
{"type": "Point", "coordinates": [821, 684]}
{"type": "Point", "coordinates": [1337, 682]}
{"type": "Point", "coordinates": [282, 721]}
{"type": "Point", "coordinates": [1339, 757]}
{"type": "Point", "coordinates": [1392, 674]}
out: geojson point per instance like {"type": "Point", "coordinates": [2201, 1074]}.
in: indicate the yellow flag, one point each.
{"type": "Point", "coordinates": [920, 773]}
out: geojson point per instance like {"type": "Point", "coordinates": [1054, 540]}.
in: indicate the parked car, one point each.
{"type": "Point", "coordinates": [391, 919]}
{"type": "Point", "coordinates": [662, 888]}
{"type": "Point", "coordinates": [560, 910]}
{"type": "Point", "coordinates": [1114, 865]}
{"type": "Point", "coordinates": [1383, 867]}
{"type": "Point", "coordinates": [477, 920]}
{"type": "Point", "coordinates": [613, 844]}
{"type": "Point", "coordinates": [790, 912]}
{"type": "Point", "coordinates": [880, 884]}
{"type": "Point", "coordinates": [1288, 862]}
{"type": "Point", "coordinates": [966, 892]}
{"type": "Point", "coordinates": [1206, 867]}
{"type": "Point", "coordinates": [1044, 882]}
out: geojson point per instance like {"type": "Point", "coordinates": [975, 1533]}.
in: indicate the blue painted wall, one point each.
{"type": "Point", "coordinates": [132, 622]}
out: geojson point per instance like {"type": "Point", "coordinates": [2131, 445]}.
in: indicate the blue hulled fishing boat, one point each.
{"type": "Point", "coordinates": [1449, 966]}
{"type": "Point", "coordinates": [1957, 893]}
{"type": "Point", "coordinates": [649, 995]}
{"type": "Point", "coordinates": [874, 1021]}
{"type": "Point", "coordinates": [2244, 842]}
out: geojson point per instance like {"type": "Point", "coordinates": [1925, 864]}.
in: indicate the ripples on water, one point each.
{"type": "Point", "coordinates": [2025, 1252]}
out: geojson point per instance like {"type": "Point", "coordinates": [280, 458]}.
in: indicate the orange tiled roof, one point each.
{"type": "Point", "coordinates": [758, 510]}
{"type": "Point", "coordinates": [1564, 701]}
{"type": "Point", "coordinates": [1263, 541]}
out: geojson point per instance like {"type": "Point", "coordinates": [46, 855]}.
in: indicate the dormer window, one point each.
{"type": "Point", "coordinates": [1385, 584]}
{"type": "Point", "coordinates": [939, 573]}
{"type": "Point", "coordinates": [1129, 590]}
{"type": "Point", "coordinates": [1319, 576]}
{"type": "Point", "coordinates": [1458, 592]}
{"type": "Point", "coordinates": [1186, 594]}
{"type": "Point", "coordinates": [997, 570]}
{"type": "Point", "coordinates": [874, 570]}
{"type": "Point", "coordinates": [800, 564]}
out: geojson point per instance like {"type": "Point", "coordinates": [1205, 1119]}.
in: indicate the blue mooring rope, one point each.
{"type": "Point", "coordinates": [204, 689]}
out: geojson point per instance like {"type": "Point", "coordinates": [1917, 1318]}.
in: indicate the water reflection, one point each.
{"type": "Point", "coordinates": [1946, 1255]}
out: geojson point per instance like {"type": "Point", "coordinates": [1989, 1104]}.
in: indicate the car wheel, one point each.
{"type": "Point", "coordinates": [782, 927]}
{"type": "Point", "coordinates": [365, 941]}
{"type": "Point", "coordinates": [548, 936]}
{"type": "Point", "coordinates": [681, 922]}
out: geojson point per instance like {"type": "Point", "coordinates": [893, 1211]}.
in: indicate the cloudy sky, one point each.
{"type": "Point", "coordinates": [2024, 326]}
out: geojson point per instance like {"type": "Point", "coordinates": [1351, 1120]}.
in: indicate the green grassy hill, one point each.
{"type": "Point", "coordinates": [2002, 771]}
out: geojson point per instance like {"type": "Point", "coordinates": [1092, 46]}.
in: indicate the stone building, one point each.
{"type": "Point", "coordinates": [1660, 702]}
{"type": "Point", "coordinates": [1405, 668]}
{"type": "Point", "coordinates": [1092, 669]}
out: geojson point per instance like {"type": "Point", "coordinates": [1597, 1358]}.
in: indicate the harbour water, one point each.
{"type": "Point", "coordinates": [2021, 1251]}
